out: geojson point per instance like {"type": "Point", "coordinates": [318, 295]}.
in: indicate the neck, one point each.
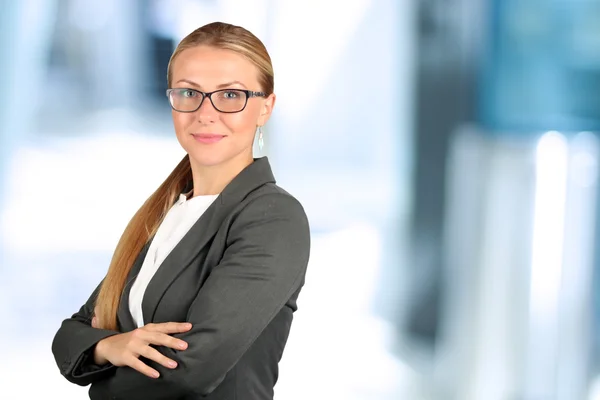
{"type": "Point", "coordinates": [211, 180]}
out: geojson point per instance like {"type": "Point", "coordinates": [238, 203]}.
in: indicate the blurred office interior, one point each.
{"type": "Point", "coordinates": [446, 152]}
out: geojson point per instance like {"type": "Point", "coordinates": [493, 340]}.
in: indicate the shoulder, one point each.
{"type": "Point", "coordinates": [271, 196]}
{"type": "Point", "coordinates": [271, 203]}
{"type": "Point", "coordinates": [270, 189]}
{"type": "Point", "coordinates": [271, 221]}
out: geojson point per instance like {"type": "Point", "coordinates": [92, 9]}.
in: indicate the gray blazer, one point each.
{"type": "Point", "coordinates": [235, 276]}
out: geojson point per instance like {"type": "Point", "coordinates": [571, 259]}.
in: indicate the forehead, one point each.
{"type": "Point", "coordinates": [210, 67]}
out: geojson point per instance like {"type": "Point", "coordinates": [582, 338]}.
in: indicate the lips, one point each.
{"type": "Point", "coordinates": [207, 137]}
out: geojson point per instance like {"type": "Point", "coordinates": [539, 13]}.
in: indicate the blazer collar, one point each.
{"type": "Point", "coordinates": [253, 176]}
{"type": "Point", "coordinates": [249, 179]}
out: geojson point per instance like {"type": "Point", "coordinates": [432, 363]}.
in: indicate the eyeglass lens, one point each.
{"type": "Point", "coordinates": [228, 100]}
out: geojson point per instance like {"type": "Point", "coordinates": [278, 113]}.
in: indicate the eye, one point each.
{"type": "Point", "coordinates": [231, 94]}
{"type": "Point", "coordinates": [187, 93]}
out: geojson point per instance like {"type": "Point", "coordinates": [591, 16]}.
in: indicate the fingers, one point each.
{"type": "Point", "coordinates": [169, 327]}
{"type": "Point", "coordinates": [140, 366]}
{"type": "Point", "coordinates": [153, 354]}
{"type": "Point", "coordinates": [162, 339]}
{"type": "Point", "coordinates": [139, 341]}
{"type": "Point", "coordinates": [145, 337]}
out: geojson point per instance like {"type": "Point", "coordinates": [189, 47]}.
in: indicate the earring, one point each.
{"type": "Point", "coordinates": [261, 141]}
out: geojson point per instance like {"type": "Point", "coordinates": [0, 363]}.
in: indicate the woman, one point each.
{"type": "Point", "coordinates": [198, 299]}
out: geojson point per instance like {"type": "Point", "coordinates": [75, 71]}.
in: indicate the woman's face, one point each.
{"type": "Point", "coordinates": [209, 136]}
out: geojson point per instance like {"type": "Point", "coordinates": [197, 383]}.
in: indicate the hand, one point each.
{"type": "Point", "coordinates": [125, 349]}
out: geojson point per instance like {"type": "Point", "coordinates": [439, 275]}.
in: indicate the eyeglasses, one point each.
{"type": "Point", "coordinates": [224, 100]}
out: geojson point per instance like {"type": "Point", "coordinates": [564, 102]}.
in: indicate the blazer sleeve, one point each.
{"type": "Point", "coordinates": [263, 266]}
{"type": "Point", "coordinates": [74, 343]}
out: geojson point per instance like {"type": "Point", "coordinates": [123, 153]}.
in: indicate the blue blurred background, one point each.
{"type": "Point", "coordinates": [446, 152]}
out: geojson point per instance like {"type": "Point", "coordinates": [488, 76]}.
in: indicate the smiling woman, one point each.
{"type": "Point", "coordinates": [199, 296]}
{"type": "Point", "coordinates": [238, 103]}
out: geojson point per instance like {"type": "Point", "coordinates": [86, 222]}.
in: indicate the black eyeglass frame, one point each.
{"type": "Point", "coordinates": [249, 94]}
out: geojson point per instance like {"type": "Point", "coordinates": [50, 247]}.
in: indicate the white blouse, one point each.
{"type": "Point", "coordinates": [175, 225]}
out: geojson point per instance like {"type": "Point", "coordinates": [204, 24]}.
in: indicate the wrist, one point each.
{"type": "Point", "coordinates": [99, 358]}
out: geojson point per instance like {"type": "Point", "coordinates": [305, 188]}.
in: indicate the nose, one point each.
{"type": "Point", "coordinates": [207, 113]}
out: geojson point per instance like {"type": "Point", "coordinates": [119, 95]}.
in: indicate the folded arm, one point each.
{"type": "Point", "coordinates": [73, 346]}
{"type": "Point", "coordinates": [263, 266]}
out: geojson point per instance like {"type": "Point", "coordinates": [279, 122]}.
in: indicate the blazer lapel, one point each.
{"type": "Point", "coordinates": [253, 176]}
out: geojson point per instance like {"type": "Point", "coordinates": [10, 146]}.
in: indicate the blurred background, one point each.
{"type": "Point", "coordinates": [446, 152]}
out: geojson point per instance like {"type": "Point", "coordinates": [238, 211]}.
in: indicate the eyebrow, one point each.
{"type": "Point", "coordinates": [221, 86]}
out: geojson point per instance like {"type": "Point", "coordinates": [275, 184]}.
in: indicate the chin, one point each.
{"type": "Point", "coordinates": [216, 154]}
{"type": "Point", "coordinates": [208, 160]}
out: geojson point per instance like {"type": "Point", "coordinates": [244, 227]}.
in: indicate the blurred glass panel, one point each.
{"type": "Point", "coordinates": [541, 66]}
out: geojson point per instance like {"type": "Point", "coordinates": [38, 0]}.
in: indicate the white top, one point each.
{"type": "Point", "coordinates": [175, 225]}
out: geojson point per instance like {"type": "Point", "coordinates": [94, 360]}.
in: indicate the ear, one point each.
{"type": "Point", "coordinates": [266, 110]}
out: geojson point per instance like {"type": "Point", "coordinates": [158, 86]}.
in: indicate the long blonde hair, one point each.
{"type": "Point", "coordinates": [146, 220]}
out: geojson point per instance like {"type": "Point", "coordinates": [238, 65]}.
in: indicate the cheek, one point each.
{"type": "Point", "coordinates": [181, 121]}
{"type": "Point", "coordinates": [243, 123]}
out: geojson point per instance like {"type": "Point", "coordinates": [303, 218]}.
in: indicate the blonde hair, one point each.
{"type": "Point", "coordinates": [147, 219]}
{"type": "Point", "coordinates": [234, 38]}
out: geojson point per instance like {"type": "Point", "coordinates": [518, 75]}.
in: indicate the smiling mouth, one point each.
{"type": "Point", "coordinates": [207, 137]}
